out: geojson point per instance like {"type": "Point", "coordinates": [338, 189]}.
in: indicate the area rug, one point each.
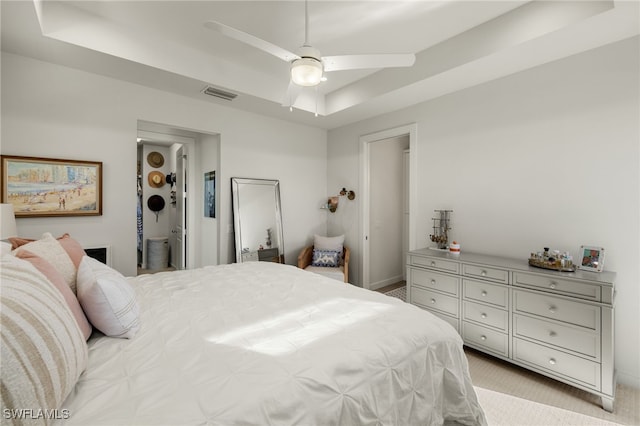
{"type": "Point", "coordinates": [506, 410]}
{"type": "Point", "coordinates": [400, 293]}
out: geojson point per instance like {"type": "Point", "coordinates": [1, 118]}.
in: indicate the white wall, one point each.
{"type": "Point", "coordinates": [59, 112]}
{"type": "Point", "coordinates": [545, 157]}
{"type": "Point", "coordinates": [386, 171]}
{"type": "Point", "coordinates": [209, 151]}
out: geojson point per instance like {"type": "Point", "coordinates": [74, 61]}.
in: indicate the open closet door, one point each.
{"type": "Point", "coordinates": [181, 207]}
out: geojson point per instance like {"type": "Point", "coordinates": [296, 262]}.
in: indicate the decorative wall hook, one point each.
{"type": "Point", "coordinates": [351, 195]}
{"type": "Point", "coordinates": [332, 204]}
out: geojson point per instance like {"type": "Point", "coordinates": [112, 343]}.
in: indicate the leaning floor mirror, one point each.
{"type": "Point", "coordinates": [257, 220]}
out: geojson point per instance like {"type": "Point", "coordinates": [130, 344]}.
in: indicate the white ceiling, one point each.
{"type": "Point", "coordinates": [458, 44]}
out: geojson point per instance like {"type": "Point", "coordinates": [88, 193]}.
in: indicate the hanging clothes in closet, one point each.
{"type": "Point", "coordinates": [139, 214]}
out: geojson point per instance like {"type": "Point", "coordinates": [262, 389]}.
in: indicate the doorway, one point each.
{"type": "Point", "coordinates": [387, 204]}
{"type": "Point", "coordinates": [191, 239]}
{"type": "Point", "coordinates": [158, 212]}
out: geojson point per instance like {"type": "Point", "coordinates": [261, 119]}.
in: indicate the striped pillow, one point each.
{"type": "Point", "coordinates": [43, 351]}
{"type": "Point", "coordinates": [108, 299]}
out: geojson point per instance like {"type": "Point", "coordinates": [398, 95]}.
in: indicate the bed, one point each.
{"type": "Point", "coordinates": [262, 343]}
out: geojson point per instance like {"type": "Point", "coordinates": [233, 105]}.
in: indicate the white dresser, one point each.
{"type": "Point", "coordinates": [559, 324]}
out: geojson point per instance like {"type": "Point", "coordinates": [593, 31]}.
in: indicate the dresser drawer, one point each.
{"type": "Point", "coordinates": [558, 285]}
{"type": "Point", "coordinates": [557, 362]}
{"type": "Point", "coordinates": [434, 280]}
{"type": "Point", "coordinates": [435, 301]}
{"type": "Point", "coordinates": [549, 306]}
{"type": "Point", "coordinates": [485, 292]}
{"type": "Point", "coordinates": [429, 262]}
{"type": "Point", "coordinates": [575, 339]}
{"type": "Point", "coordinates": [250, 256]}
{"type": "Point", "coordinates": [486, 315]}
{"type": "Point", "coordinates": [455, 323]}
{"type": "Point", "coordinates": [487, 339]}
{"type": "Point", "coordinates": [486, 273]}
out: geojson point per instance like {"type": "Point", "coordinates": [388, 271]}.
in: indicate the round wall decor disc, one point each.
{"type": "Point", "coordinates": [155, 159]}
{"type": "Point", "coordinates": [156, 179]}
{"type": "Point", "coordinates": [155, 204]}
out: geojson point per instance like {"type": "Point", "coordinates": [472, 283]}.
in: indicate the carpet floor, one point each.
{"type": "Point", "coordinates": [514, 396]}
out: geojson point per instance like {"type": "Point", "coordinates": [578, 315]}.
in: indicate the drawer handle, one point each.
{"type": "Point", "coordinates": [552, 361]}
{"type": "Point", "coordinates": [483, 337]}
{"type": "Point", "coordinates": [433, 282]}
{"type": "Point", "coordinates": [483, 315]}
{"type": "Point", "coordinates": [433, 301]}
{"type": "Point", "coordinates": [552, 309]}
{"type": "Point", "coordinates": [553, 334]}
{"type": "Point", "coordinates": [553, 285]}
{"type": "Point", "coordinates": [433, 263]}
{"type": "Point", "coordinates": [483, 273]}
{"type": "Point", "coordinates": [484, 293]}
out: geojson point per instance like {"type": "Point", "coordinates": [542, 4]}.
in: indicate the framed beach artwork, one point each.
{"type": "Point", "coordinates": [39, 187]}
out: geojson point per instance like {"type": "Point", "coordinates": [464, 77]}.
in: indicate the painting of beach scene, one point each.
{"type": "Point", "coordinates": [50, 187]}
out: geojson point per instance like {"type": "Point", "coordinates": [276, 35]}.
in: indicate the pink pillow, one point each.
{"type": "Point", "coordinates": [19, 241]}
{"type": "Point", "coordinates": [71, 246]}
{"type": "Point", "coordinates": [73, 249]}
{"type": "Point", "coordinates": [52, 274]}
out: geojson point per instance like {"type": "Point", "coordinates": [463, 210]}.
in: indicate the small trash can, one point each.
{"type": "Point", "coordinates": [157, 253]}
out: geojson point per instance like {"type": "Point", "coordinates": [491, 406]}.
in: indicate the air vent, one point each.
{"type": "Point", "coordinates": [212, 91]}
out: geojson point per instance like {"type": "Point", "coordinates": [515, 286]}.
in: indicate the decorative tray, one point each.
{"type": "Point", "coordinates": [551, 265]}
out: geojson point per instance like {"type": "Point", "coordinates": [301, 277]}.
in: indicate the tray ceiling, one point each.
{"type": "Point", "coordinates": [458, 44]}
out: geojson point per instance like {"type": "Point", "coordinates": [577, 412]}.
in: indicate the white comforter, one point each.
{"type": "Point", "coordinates": [266, 344]}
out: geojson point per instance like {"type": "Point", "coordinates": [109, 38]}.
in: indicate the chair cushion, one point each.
{"type": "Point", "coordinates": [334, 273]}
{"type": "Point", "coordinates": [328, 243]}
{"type": "Point", "coordinates": [326, 258]}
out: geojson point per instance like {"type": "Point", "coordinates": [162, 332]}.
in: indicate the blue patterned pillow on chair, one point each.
{"type": "Point", "coordinates": [328, 258]}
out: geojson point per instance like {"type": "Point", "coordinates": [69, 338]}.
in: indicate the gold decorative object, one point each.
{"type": "Point", "coordinates": [332, 204]}
{"type": "Point", "coordinates": [351, 195]}
{"type": "Point", "coordinates": [553, 260]}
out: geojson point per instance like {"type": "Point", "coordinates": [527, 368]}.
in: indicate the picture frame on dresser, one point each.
{"type": "Point", "coordinates": [591, 258]}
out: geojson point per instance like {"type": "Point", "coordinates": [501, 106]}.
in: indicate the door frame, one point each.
{"type": "Point", "coordinates": [168, 140]}
{"type": "Point", "coordinates": [365, 145]}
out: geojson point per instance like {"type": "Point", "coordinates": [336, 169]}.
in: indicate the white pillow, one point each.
{"type": "Point", "coordinates": [5, 248]}
{"type": "Point", "coordinates": [328, 243]}
{"type": "Point", "coordinates": [108, 299]}
{"type": "Point", "coordinates": [50, 249]}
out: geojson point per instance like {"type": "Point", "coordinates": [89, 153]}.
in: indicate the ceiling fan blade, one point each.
{"type": "Point", "coordinates": [293, 91]}
{"type": "Point", "coordinates": [251, 40]}
{"type": "Point", "coordinates": [353, 62]}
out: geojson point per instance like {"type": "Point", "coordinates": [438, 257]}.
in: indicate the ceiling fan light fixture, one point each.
{"type": "Point", "coordinates": [306, 72]}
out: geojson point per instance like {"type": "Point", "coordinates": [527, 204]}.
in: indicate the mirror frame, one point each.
{"type": "Point", "coordinates": [235, 193]}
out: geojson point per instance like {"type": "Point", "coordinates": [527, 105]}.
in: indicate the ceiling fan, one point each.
{"type": "Point", "coordinates": [307, 64]}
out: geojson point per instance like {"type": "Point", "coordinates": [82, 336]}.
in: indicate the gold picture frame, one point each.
{"type": "Point", "coordinates": [46, 187]}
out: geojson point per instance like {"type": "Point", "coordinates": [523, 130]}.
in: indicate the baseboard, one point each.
{"type": "Point", "coordinates": [628, 379]}
{"type": "Point", "coordinates": [386, 282]}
